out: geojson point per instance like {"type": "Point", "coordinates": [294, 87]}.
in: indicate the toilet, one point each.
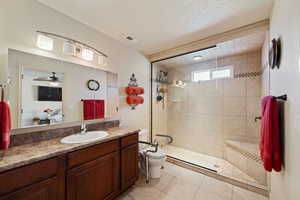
{"type": "Point", "coordinates": [156, 160]}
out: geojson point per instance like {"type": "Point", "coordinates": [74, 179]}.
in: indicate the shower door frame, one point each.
{"type": "Point", "coordinates": [151, 81]}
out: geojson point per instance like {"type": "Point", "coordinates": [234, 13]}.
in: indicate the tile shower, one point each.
{"type": "Point", "coordinates": [212, 122]}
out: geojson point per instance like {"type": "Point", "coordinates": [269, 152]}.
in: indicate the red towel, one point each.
{"type": "Point", "coordinates": [131, 90]}
{"type": "Point", "coordinates": [134, 100]}
{"type": "Point", "coordinates": [99, 110]}
{"type": "Point", "coordinates": [5, 125]}
{"type": "Point", "coordinates": [93, 109]}
{"type": "Point", "coordinates": [270, 148]}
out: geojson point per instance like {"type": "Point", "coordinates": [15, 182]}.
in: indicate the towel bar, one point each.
{"type": "Point", "coordinates": [282, 97]}
{"type": "Point", "coordinates": [257, 118]}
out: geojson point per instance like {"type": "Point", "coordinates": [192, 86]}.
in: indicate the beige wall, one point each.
{"type": "Point", "coordinates": [213, 111]}
{"type": "Point", "coordinates": [285, 23]}
{"type": "Point", "coordinates": [265, 85]}
{"type": "Point", "coordinates": [19, 21]}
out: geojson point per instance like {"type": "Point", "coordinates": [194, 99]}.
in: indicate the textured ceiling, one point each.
{"type": "Point", "coordinates": [162, 24]}
{"type": "Point", "coordinates": [233, 47]}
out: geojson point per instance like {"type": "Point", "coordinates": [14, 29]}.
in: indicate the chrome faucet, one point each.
{"type": "Point", "coordinates": [83, 128]}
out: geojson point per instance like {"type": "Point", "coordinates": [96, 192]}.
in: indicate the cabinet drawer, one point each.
{"type": "Point", "coordinates": [129, 140]}
{"type": "Point", "coordinates": [44, 190]}
{"type": "Point", "coordinates": [91, 153]}
{"type": "Point", "coordinates": [18, 178]}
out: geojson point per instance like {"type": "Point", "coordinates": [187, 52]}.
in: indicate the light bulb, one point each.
{"type": "Point", "coordinates": [44, 42]}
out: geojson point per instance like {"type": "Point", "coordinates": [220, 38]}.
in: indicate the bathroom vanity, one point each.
{"type": "Point", "coordinates": [50, 170]}
{"type": "Point", "coordinates": [49, 100]}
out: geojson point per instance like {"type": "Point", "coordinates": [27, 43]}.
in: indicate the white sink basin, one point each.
{"type": "Point", "coordinates": [87, 137]}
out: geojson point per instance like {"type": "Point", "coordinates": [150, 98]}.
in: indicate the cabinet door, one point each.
{"type": "Point", "coordinates": [45, 190]}
{"type": "Point", "coordinates": [129, 166]}
{"type": "Point", "coordinates": [95, 180]}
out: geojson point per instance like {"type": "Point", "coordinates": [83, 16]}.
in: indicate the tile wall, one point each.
{"type": "Point", "coordinates": [202, 116]}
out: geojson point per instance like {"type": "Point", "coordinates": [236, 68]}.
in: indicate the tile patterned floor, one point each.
{"type": "Point", "coordinates": [179, 183]}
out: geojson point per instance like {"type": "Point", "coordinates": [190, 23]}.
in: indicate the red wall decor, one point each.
{"type": "Point", "coordinates": [133, 91]}
{"type": "Point", "coordinates": [132, 100]}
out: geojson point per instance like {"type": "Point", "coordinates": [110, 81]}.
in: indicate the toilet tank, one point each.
{"type": "Point", "coordinates": [143, 136]}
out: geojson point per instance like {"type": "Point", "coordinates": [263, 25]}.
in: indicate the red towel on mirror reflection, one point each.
{"type": "Point", "coordinates": [5, 125]}
{"type": "Point", "coordinates": [93, 109]}
{"type": "Point", "coordinates": [270, 148]}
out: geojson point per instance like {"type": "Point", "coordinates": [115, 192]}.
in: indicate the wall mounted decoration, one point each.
{"type": "Point", "coordinates": [93, 85]}
{"type": "Point", "coordinates": [132, 90]}
{"type": "Point", "coordinates": [275, 53]}
{"type": "Point", "coordinates": [135, 100]}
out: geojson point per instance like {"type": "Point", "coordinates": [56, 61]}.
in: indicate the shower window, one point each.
{"type": "Point", "coordinates": [201, 76]}
{"type": "Point", "coordinates": [224, 72]}
{"type": "Point", "coordinates": [206, 75]}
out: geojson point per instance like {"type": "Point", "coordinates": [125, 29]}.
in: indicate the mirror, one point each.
{"type": "Point", "coordinates": [45, 91]}
{"type": "Point", "coordinates": [41, 99]}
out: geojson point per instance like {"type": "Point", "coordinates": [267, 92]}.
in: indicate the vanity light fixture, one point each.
{"type": "Point", "coordinates": [69, 48]}
{"type": "Point", "coordinates": [102, 60]}
{"type": "Point", "coordinates": [87, 54]}
{"type": "Point", "coordinates": [44, 42]}
{"type": "Point", "coordinates": [197, 57]}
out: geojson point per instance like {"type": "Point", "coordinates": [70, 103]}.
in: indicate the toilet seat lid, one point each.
{"type": "Point", "coordinates": [157, 155]}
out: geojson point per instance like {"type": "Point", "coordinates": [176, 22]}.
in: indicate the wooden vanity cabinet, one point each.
{"type": "Point", "coordinates": [129, 161]}
{"type": "Point", "coordinates": [44, 180]}
{"type": "Point", "coordinates": [100, 179]}
{"type": "Point", "coordinates": [95, 180]}
{"type": "Point", "coordinates": [99, 172]}
{"type": "Point", "coordinates": [44, 190]}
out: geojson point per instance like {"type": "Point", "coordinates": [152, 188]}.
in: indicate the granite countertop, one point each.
{"type": "Point", "coordinates": [29, 153]}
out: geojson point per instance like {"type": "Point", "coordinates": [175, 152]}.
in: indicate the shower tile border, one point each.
{"type": "Point", "coordinates": [248, 74]}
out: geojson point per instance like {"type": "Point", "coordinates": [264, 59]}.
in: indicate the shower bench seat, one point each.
{"type": "Point", "coordinates": [245, 156]}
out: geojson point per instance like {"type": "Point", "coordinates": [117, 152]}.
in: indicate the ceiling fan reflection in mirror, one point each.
{"type": "Point", "coordinates": [52, 79]}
